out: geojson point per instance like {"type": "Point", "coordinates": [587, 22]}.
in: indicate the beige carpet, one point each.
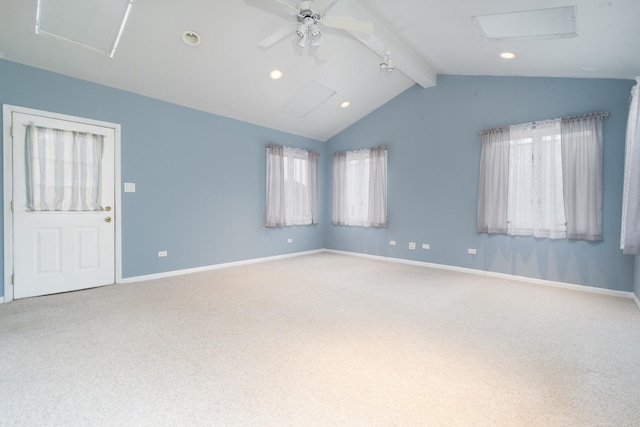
{"type": "Point", "coordinates": [321, 340]}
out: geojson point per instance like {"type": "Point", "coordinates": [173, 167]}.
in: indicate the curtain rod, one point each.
{"type": "Point", "coordinates": [384, 147]}
{"type": "Point", "coordinates": [303, 149]}
{"type": "Point", "coordinates": [568, 118]}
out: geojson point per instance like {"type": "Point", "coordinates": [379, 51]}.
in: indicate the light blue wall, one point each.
{"type": "Point", "coordinates": [433, 166]}
{"type": "Point", "coordinates": [195, 201]}
{"type": "Point", "coordinates": [200, 189]}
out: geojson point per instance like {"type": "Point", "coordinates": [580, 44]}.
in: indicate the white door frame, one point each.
{"type": "Point", "coordinates": [7, 152]}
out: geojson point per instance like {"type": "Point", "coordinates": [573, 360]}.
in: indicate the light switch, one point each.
{"type": "Point", "coordinates": [129, 187]}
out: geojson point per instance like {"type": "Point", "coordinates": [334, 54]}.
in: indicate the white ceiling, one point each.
{"type": "Point", "coordinates": [228, 75]}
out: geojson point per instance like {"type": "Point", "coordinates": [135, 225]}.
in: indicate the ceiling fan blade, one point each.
{"type": "Point", "coordinates": [319, 6]}
{"type": "Point", "coordinates": [273, 4]}
{"type": "Point", "coordinates": [276, 37]}
{"type": "Point", "coordinates": [348, 24]}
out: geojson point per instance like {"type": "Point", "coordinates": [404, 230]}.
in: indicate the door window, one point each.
{"type": "Point", "coordinates": [63, 170]}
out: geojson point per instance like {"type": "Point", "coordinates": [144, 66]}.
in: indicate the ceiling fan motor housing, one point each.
{"type": "Point", "coordinates": [305, 14]}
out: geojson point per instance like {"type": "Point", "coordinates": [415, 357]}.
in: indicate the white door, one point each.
{"type": "Point", "coordinates": [61, 250]}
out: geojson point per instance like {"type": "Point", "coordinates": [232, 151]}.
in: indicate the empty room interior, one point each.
{"type": "Point", "coordinates": [324, 212]}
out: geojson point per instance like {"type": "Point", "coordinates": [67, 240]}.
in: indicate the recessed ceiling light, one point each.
{"type": "Point", "coordinates": [345, 104]}
{"type": "Point", "coordinates": [191, 38]}
{"type": "Point", "coordinates": [507, 55]}
{"type": "Point", "coordinates": [275, 74]}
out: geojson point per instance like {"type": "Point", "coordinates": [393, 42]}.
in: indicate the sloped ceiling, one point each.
{"type": "Point", "coordinates": [228, 74]}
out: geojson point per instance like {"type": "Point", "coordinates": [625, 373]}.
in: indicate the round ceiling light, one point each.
{"type": "Point", "coordinates": [345, 104]}
{"type": "Point", "coordinates": [507, 55]}
{"type": "Point", "coordinates": [191, 38]}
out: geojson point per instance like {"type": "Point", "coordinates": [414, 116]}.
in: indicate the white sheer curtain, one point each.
{"type": "Point", "coordinates": [582, 176]}
{"type": "Point", "coordinates": [313, 188]}
{"type": "Point", "coordinates": [630, 230]}
{"type": "Point", "coordinates": [359, 188]}
{"type": "Point", "coordinates": [339, 201]}
{"type": "Point", "coordinates": [275, 187]}
{"type": "Point", "coordinates": [548, 193]}
{"type": "Point", "coordinates": [536, 202]}
{"type": "Point", "coordinates": [63, 170]}
{"type": "Point", "coordinates": [292, 186]}
{"type": "Point", "coordinates": [520, 210]}
{"type": "Point", "coordinates": [493, 184]}
{"type": "Point", "coordinates": [377, 211]}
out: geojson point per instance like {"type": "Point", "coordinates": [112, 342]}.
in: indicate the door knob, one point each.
{"type": "Point", "coordinates": [108, 219]}
{"type": "Point", "coordinates": [108, 208]}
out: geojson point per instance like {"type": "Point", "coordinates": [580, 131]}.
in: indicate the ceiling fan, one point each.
{"type": "Point", "coordinates": [310, 18]}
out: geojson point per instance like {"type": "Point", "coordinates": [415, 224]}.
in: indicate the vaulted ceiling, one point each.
{"type": "Point", "coordinates": [227, 73]}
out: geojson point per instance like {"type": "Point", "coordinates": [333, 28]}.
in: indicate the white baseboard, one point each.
{"type": "Point", "coordinates": [214, 267]}
{"type": "Point", "coordinates": [543, 282]}
{"type": "Point", "coordinates": [1, 300]}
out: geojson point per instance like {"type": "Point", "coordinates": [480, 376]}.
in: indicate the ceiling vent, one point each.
{"type": "Point", "coordinates": [92, 24]}
{"type": "Point", "coordinates": [554, 23]}
{"type": "Point", "coordinates": [307, 99]}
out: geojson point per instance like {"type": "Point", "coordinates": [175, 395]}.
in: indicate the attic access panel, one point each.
{"type": "Point", "coordinates": [92, 24]}
{"type": "Point", "coordinates": [310, 97]}
{"type": "Point", "coordinates": [553, 23]}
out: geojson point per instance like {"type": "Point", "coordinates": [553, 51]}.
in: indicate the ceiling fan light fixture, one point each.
{"type": "Point", "coordinates": [314, 35]}
{"type": "Point", "coordinates": [302, 32]}
{"type": "Point", "coordinates": [315, 39]}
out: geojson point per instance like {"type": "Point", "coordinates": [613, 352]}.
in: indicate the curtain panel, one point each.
{"type": "Point", "coordinates": [377, 209]}
{"type": "Point", "coordinates": [493, 183]}
{"type": "Point", "coordinates": [275, 212]}
{"type": "Point", "coordinates": [63, 170]}
{"type": "Point", "coordinates": [339, 203]}
{"type": "Point", "coordinates": [313, 188]}
{"type": "Point", "coordinates": [630, 228]}
{"type": "Point", "coordinates": [582, 177]}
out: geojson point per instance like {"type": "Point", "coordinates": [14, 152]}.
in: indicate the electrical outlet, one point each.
{"type": "Point", "coordinates": [412, 246]}
{"type": "Point", "coordinates": [471, 251]}
{"type": "Point", "coordinates": [162, 254]}
{"type": "Point", "coordinates": [289, 240]}
{"type": "Point", "coordinates": [392, 242]}
{"type": "Point", "coordinates": [426, 246]}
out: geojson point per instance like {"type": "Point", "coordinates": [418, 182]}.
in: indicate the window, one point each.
{"type": "Point", "coordinates": [292, 186]}
{"type": "Point", "coordinates": [63, 170]}
{"type": "Point", "coordinates": [536, 203]}
{"type": "Point", "coordinates": [359, 190]}
{"type": "Point", "coordinates": [543, 179]}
